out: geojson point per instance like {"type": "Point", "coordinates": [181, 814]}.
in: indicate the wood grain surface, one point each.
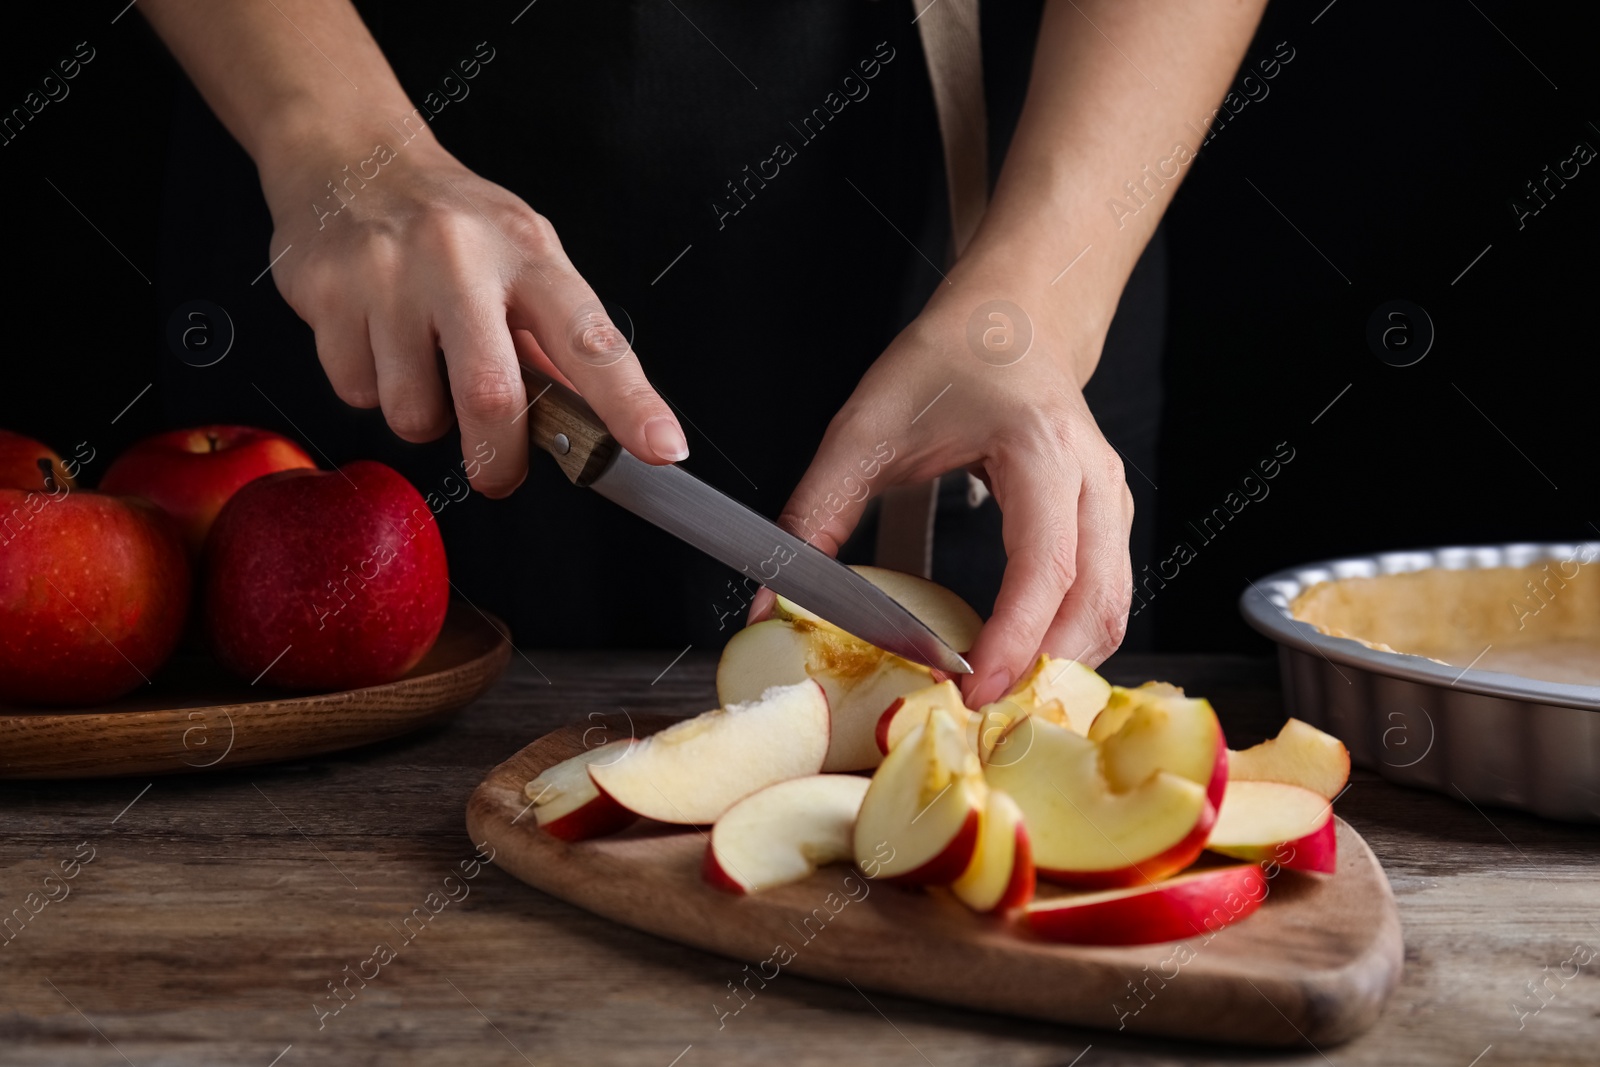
{"type": "Point", "coordinates": [1322, 952]}
{"type": "Point", "coordinates": [196, 716]}
{"type": "Point", "coordinates": [217, 908]}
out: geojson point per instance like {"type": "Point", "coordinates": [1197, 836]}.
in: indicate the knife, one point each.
{"type": "Point", "coordinates": [563, 424]}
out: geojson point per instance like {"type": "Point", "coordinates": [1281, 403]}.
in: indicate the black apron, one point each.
{"type": "Point", "coordinates": [708, 167]}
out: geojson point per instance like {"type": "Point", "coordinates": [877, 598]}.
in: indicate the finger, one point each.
{"type": "Point", "coordinates": [345, 353]}
{"type": "Point", "coordinates": [1041, 541]}
{"type": "Point", "coordinates": [529, 354]}
{"type": "Point", "coordinates": [556, 305]}
{"type": "Point", "coordinates": [1094, 616]}
{"type": "Point", "coordinates": [761, 605]}
{"type": "Point", "coordinates": [486, 387]}
{"type": "Point", "coordinates": [407, 364]}
{"type": "Point", "coordinates": [827, 504]}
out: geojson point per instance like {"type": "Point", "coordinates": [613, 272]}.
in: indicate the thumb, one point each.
{"type": "Point", "coordinates": [825, 508]}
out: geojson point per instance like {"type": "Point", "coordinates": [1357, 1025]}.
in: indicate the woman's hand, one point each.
{"type": "Point", "coordinates": [418, 255]}
{"type": "Point", "coordinates": [1025, 430]}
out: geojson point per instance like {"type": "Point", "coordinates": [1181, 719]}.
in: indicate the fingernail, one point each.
{"type": "Point", "coordinates": [665, 439]}
{"type": "Point", "coordinates": [995, 684]}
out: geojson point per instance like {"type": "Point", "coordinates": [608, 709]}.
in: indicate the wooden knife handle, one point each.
{"type": "Point", "coordinates": [562, 423]}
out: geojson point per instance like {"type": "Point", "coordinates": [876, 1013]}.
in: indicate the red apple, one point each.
{"type": "Point", "coordinates": [1189, 905]}
{"type": "Point", "coordinates": [190, 474]}
{"type": "Point", "coordinates": [860, 679]}
{"type": "Point", "coordinates": [325, 579]}
{"type": "Point", "coordinates": [1155, 727]}
{"type": "Point", "coordinates": [924, 804]}
{"type": "Point", "coordinates": [1001, 874]}
{"type": "Point", "coordinates": [1084, 831]}
{"type": "Point", "coordinates": [695, 770]}
{"type": "Point", "coordinates": [913, 709]}
{"type": "Point", "coordinates": [1300, 755]}
{"type": "Point", "coordinates": [567, 804]}
{"type": "Point", "coordinates": [783, 833]}
{"type": "Point", "coordinates": [94, 590]}
{"type": "Point", "coordinates": [1271, 822]}
{"type": "Point", "coordinates": [24, 461]}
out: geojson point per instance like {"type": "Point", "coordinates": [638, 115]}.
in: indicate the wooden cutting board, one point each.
{"type": "Point", "coordinates": [1314, 964]}
{"type": "Point", "coordinates": [196, 716]}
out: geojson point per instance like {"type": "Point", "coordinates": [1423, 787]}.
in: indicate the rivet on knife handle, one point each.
{"type": "Point", "coordinates": [563, 424]}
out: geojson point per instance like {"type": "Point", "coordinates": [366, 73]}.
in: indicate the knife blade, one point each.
{"type": "Point", "coordinates": [669, 497]}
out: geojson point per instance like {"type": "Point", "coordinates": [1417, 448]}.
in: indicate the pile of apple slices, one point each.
{"type": "Point", "coordinates": [1110, 793]}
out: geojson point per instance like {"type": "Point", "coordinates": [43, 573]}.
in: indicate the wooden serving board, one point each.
{"type": "Point", "coordinates": [1315, 963]}
{"type": "Point", "coordinates": [197, 717]}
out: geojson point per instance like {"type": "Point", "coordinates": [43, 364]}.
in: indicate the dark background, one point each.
{"type": "Point", "coordinates": [1393, 143]}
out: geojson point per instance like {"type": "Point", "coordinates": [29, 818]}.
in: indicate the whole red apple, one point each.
{"type": "Point", "coordinates": [94, 590]}
{"type": "Point", "coordinates": [190, 474]}
{"type": "Point", "coordinates": [325, 579]}
{"type": "Point", "coordinates": [24, 461]}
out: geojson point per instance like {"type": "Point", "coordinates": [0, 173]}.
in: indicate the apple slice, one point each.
{"type": "Point", "coordinates": [1300, 755]}
{"type": "Point", "coordinates": [1155, 727]}
{"type": "Point", "coordinates": [861, 681]}
{"type": "Point", "coordinates": [1084, 832]}
{"type": "Point", "coordinates": [566, 802]}
{"type": "Point", "coordinates": [784, 832]}
{"type": "Point", "coordinates": [923, 806]}
{"type": "Point", "coordinates": [1079, 690]}
{"type": "Point", "coordinates": [1186, 906]}
{"type": "Point", "coordinates": [1000, 876]}
{"type": "Point", "coordinates": [693, 771]}
{"type": "Point", "coordinates": [995, 719]}
{"type": "Point", "coordinates": [913, 709]}
{"type": "Point", "coordinates": [1270, 822]}
{"type": "Point", "coordinates": [945, 613]}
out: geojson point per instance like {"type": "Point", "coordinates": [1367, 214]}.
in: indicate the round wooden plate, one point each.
{"type": "Point", "coordinates": [197, 717]}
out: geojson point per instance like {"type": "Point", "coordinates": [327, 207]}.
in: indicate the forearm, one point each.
{"type": "Point", "coordinates": [1092, 121]}
{"type": "Point", "coordinates": [292, 80]}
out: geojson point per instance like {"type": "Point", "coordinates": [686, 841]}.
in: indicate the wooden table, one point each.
{"type": "Point", "coordinates": [206, 916]}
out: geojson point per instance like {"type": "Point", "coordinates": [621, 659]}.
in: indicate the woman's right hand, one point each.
{"type": "Point", "coordinates": [424, 256]}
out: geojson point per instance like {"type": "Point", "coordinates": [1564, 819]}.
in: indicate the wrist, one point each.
{"type": "Point", "coordinates": [299, 154]}
{"type": "Point", "coordinates": [1010, 289]}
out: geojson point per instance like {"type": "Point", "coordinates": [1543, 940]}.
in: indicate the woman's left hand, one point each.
{"type": "Point", "coordinates": [977, 383]}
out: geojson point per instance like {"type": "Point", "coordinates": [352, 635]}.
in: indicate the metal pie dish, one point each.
{"type": "Point", "coordinates": [1485, 736]}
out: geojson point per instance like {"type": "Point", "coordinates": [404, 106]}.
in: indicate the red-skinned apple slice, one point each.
{"type": "Point", "coordinates": [1300, 755]}
{"type": "Point", "coordinates": [784, 832]}
{"type": "Point", "coordinates": [566, 802]}
{"type": "Point", "coordinates": [1080, 691]}
{"type": "Point", "coordinates": [912, 710]}
{"type": "Point", "coordinates": [1085, 833]}
{"type": "Point", "coordinates": [1155, 727]}
{"type": "Point", "coordinates": [1000, 876]}
{"type": "Point", "coordinates": [860, 681]}
{"type": "Point", "coordinates": [924, 806]}
{"type": "Point", "coordinates": [693, 771]}
{"type": "Point", "coordinates": [1189, 905]}
{"type": "Point", "coordinates": [1270, 822]}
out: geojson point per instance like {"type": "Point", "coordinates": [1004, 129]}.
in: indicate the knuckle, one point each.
{"type": "Point", "coordinates": [1058, 567]}
{"type": "Point", "coordinates": [448, 235]}
{"type": "Point", "coordinates": [593, 337]}
{"type": "Point", "coordinates": [1111, 466]}
{"type": "Point", "coordinates": [1114, 620]}
{"type": "Point", "coordinates": [531, 230]}
{"type": "Point", "coordinates": [489, 393]}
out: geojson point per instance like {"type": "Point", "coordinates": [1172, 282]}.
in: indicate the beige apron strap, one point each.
{"type": "Point", "coordinates": [950, 41]}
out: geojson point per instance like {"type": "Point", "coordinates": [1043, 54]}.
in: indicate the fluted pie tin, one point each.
{"type": "Point", "coordinates": [1438, 716]}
